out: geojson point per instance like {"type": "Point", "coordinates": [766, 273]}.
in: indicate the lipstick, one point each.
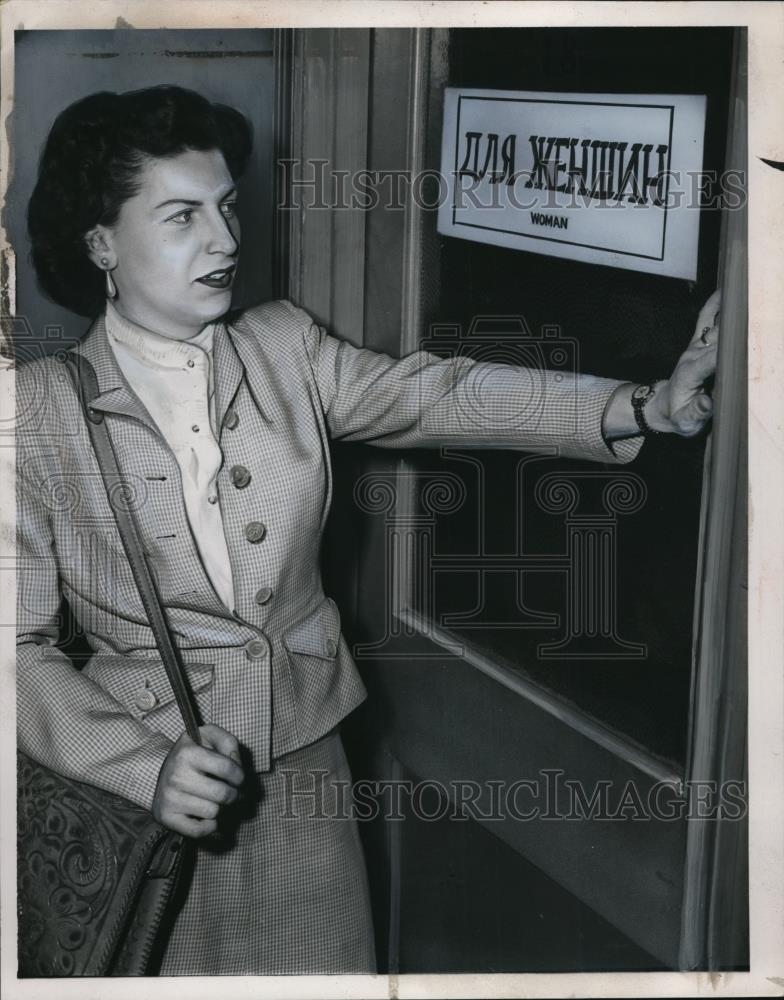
{"type": "Point", "coordinates": [221, 278]}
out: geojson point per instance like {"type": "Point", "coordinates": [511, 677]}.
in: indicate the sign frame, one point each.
{"type": "Point", "coordinates": [624, 239]}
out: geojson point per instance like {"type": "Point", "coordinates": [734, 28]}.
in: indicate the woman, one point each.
{"type": "Point", "coordinates": [221, 425]}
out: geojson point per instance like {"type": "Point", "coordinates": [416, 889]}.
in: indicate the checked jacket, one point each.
{"type": "Point", "coordinates": [274, 670]}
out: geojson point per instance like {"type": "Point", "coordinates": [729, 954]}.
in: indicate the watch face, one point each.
{"type": "Point", "coordinates": [642, 392]}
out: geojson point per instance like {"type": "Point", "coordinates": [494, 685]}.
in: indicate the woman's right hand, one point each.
{"type": "Point", "coordinates": [196, 782]}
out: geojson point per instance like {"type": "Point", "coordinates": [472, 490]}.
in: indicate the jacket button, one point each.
{"type": "Point", "coordinates": [263, 595]}
{"type": "Point", "coordinates": [240, 476]}
{"type": "Point", "coordinates": [255, 649]}
{"type": "Point", "coordinates": [231, 419]}
{"type": "Point", "coordinates": [332, 648]}
{"type": "Point", "coordinates": [146, 700]}
{"type": "Point", "coordinates": [255, 531]}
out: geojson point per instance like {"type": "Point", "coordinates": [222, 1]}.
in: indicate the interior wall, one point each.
{"type": "Point", "coordinates": [55, 68]}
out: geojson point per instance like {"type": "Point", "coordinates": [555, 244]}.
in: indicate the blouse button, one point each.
{"type": "Point", "coordinates": [195, 428]}
{"type": "Point", "coordinates": [191, 362]}
{"type": "Point", "coordinates": [212, 498]}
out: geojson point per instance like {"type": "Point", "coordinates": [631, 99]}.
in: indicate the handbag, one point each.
{"type": "Point", "coordinates": [96, 874]}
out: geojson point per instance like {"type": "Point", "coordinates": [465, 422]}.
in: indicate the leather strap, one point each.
{"type": "Point", "coordinates": [86, 384]}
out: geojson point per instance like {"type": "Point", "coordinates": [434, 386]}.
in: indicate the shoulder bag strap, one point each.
{"type": "Point", "coordinates": [86, 384]}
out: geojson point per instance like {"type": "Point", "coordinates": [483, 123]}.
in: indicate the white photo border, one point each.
{"type": "Point", "coordinates": [765, 24]}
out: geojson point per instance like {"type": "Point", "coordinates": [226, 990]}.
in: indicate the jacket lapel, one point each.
{"type": "Point", "coordinates": [248, 352]}
{"type": "Point", "coordinates": [116, 395]}
{"type": "Point", "coordinates": [227, 371]}
{"type": "Point", "coordinates": [163, 522]}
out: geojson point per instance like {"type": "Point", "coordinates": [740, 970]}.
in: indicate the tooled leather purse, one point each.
{"type": "Point", "coordinates": [96, 873]}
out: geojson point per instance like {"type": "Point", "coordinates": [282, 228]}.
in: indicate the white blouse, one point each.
{"type": "Point", "coordinates": [174, 379]}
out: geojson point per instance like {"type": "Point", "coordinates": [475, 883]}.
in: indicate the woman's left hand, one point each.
{"type": "Point", "coordinates": [681, 405]}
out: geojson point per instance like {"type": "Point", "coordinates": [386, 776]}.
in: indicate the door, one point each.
{"type": "Point", "coordinates": [563, 630]}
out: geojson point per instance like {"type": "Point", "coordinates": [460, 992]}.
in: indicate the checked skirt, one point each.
{"type": "Point", "coordinates": [285, 891]}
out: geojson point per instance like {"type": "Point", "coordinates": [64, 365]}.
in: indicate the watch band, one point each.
{"type": "Point", "coordinates": [641, 396]}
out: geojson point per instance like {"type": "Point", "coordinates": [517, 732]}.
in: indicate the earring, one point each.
{"type": "Point", "coordinates": [111, 288]}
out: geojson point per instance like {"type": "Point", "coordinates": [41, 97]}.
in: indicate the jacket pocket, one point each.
{"type": "Point", "coordinates": [142, 686]}
{"type": "Point", "coordinates": [318, 634]}
{"type": "Point", "coordinates": [323, 681]}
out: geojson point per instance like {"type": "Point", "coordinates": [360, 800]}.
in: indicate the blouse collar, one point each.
{"type": "Point", "coordinates": [153, 348]}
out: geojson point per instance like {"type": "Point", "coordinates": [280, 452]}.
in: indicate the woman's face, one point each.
{"type": "Point", "coordinates": [173, 250]}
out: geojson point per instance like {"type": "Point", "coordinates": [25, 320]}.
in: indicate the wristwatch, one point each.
{"type": "Point", "coordinates": [641, 396]}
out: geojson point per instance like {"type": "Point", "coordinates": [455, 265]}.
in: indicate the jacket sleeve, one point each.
{"type": "Point", "coordinates": [64, 720]}
{"type": "Point", "coordinates": [423, 401]}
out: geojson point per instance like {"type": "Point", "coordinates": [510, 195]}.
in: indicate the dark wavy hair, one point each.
{"type": "Point", "coordinates": [91, 164]}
